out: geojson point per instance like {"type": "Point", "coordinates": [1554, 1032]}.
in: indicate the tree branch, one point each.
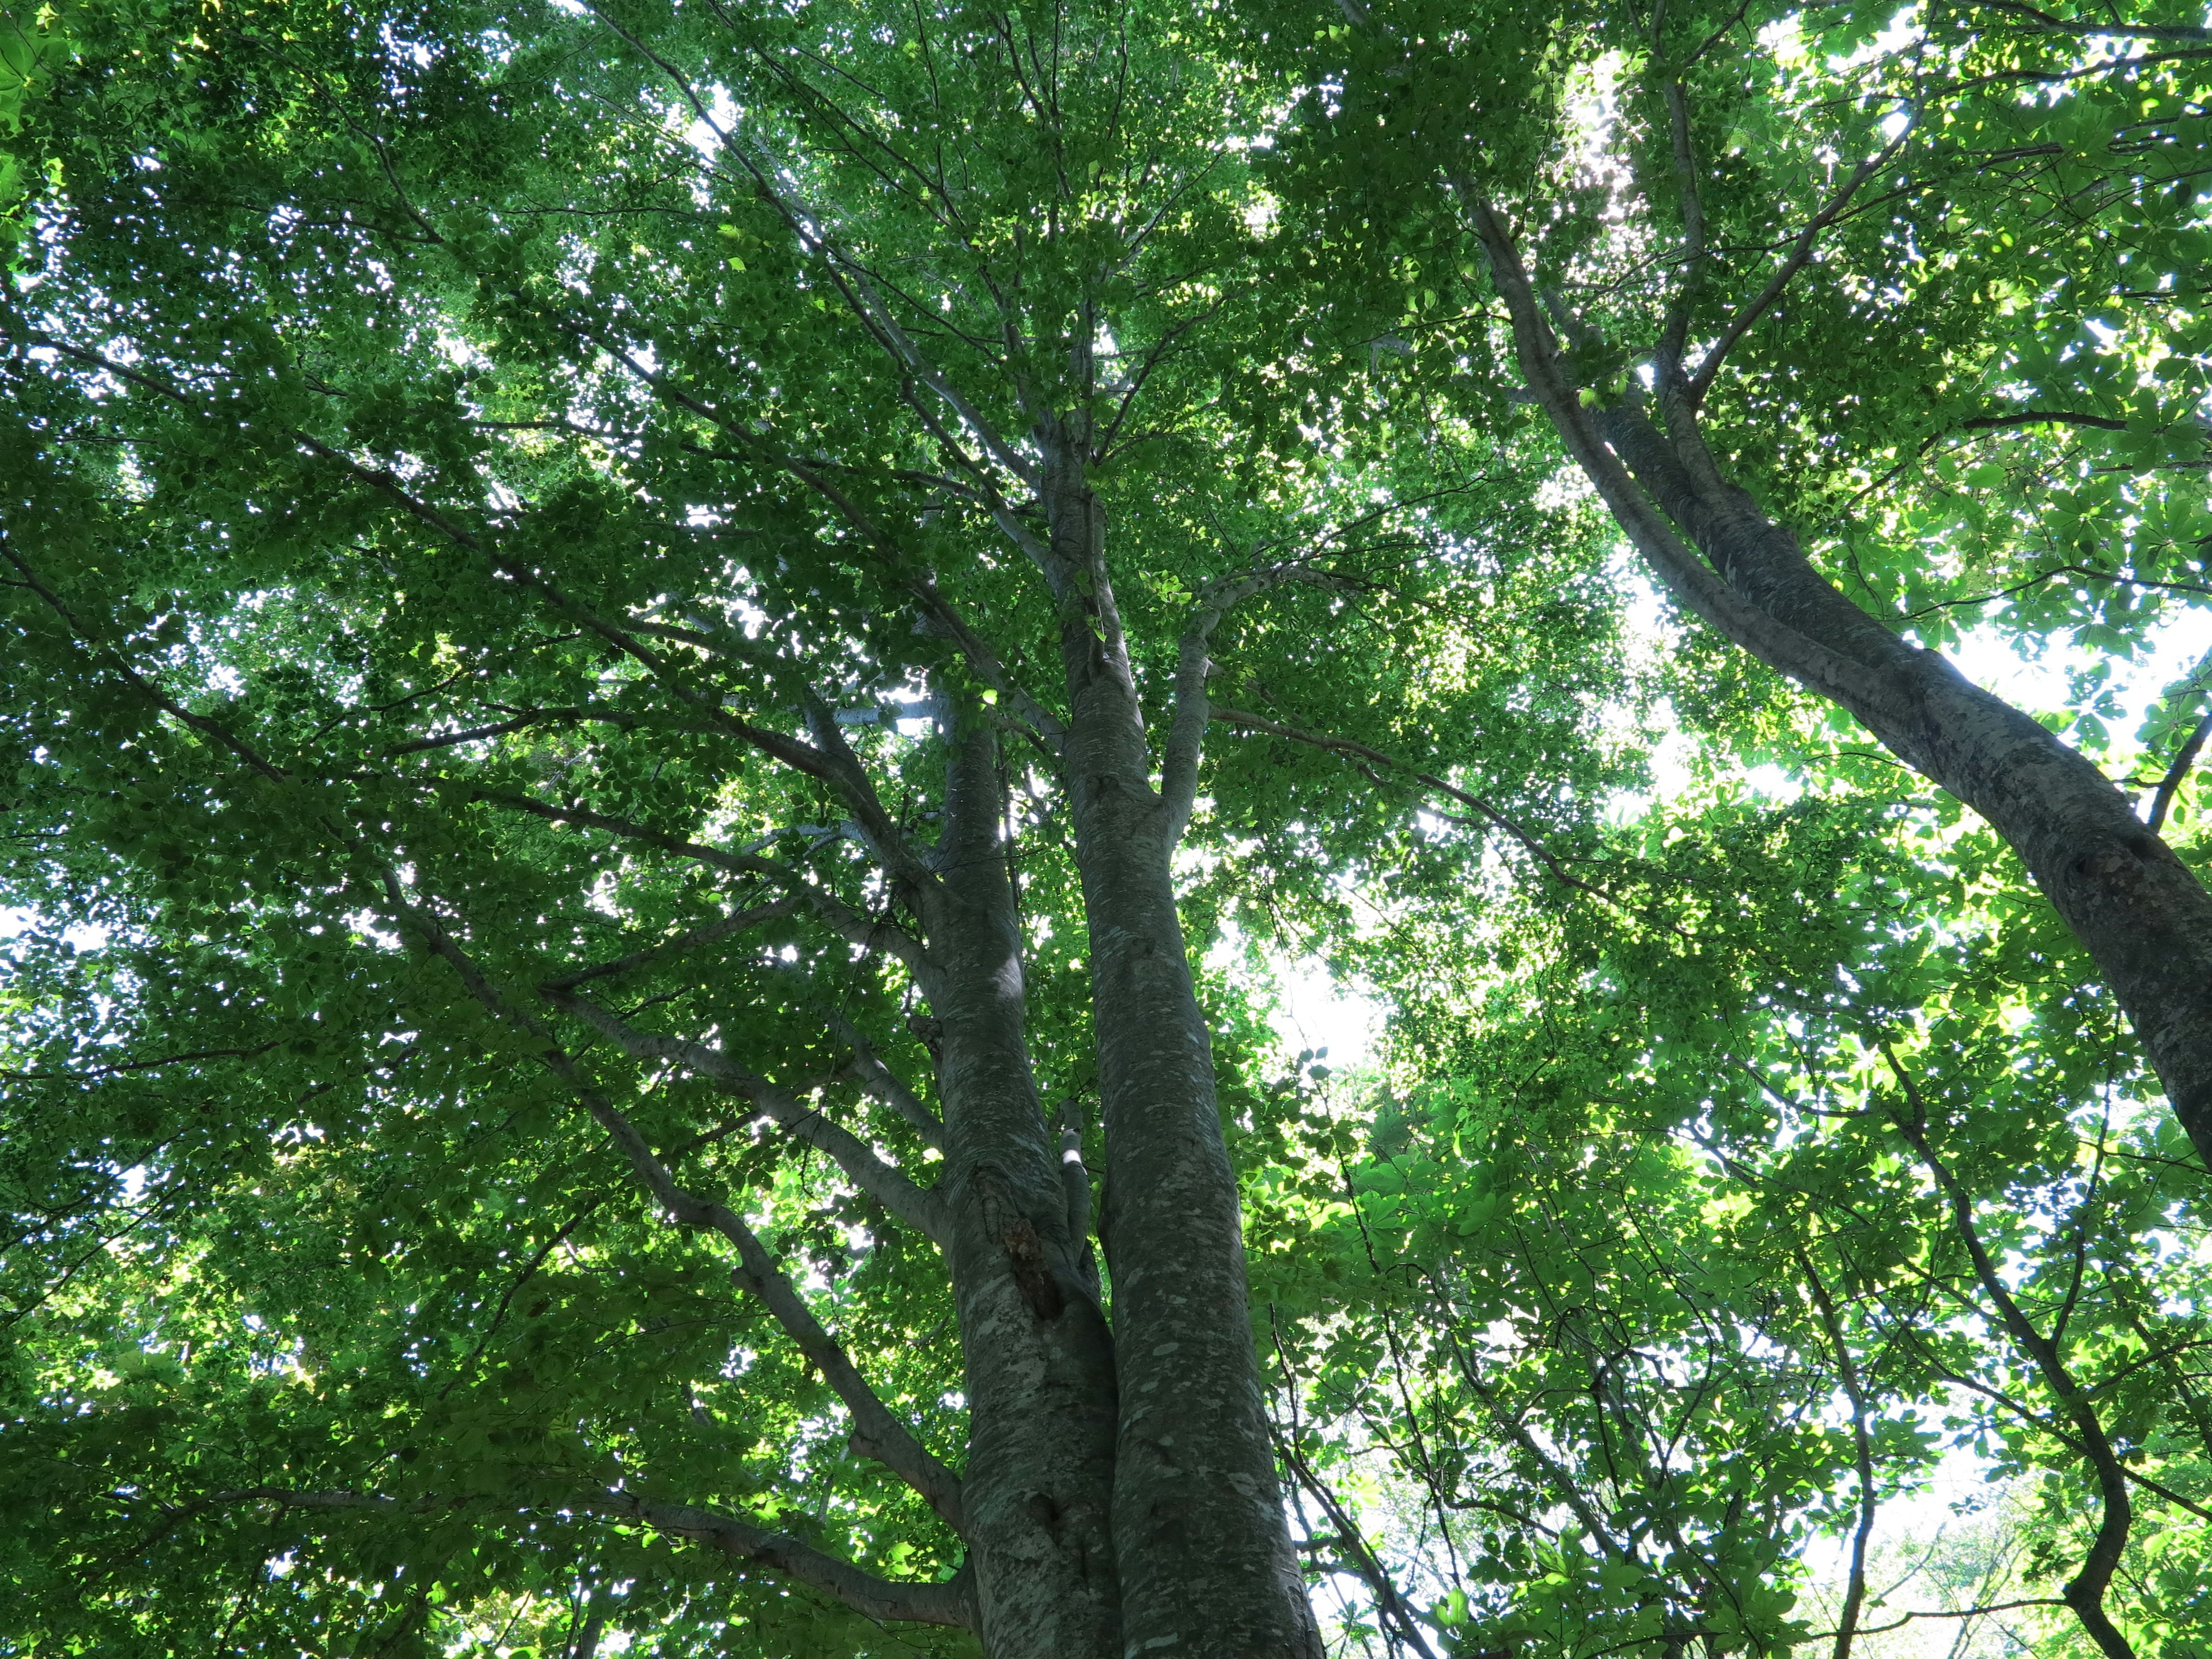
{"type": "Point", "coordinates": [866, 1594]}
{"type": "Point", "coordinates": [885, 1437]}
{"type": "Point", "coordinates": [796, 1559]}
{"type": "Point", "coordinates": [839, 918]}
{"type": "Point", "coordinates": [2171, 784]}
{"type": "Point", "coordinates": [741, 922]}
{"type": "Point", "coordinates": [1800, 250]}
{"type": "Point", "coordinates": [916, 1206]}
{"type": "Point", "coordinates": [2085, 1593]}
{"type": "Point", "coordinates": [1186, 732]}
{"type": "Point", "coordinates": [1692, 582]}
{"type": "Point", "coordinates": [879, 1081]}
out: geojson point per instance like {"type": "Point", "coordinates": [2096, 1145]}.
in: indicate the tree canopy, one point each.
{"type": "Point", "coordinates": [681, 674]}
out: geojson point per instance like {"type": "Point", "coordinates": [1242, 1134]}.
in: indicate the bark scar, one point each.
{"type": "Point", "coordinates": [1032, 1273]}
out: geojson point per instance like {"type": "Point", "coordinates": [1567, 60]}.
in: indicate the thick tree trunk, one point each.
{"type": "Point", "coordinates": [1207, 1567]}
{"type": "Point", "coordinates": [1039, 1483]}
{"type": "Point", "coordinates": [2142, 913]}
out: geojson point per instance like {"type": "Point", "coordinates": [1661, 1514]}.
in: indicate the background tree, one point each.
{"type": "Point", "coordinates": [617, 605]}
{"type": "Point", "coordinates": [1862, 322]}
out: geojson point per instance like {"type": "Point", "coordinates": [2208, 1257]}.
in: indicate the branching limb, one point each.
{"type": "Point", "coordinates": [743, 922]}
{"type": "Point", "coordinates": [913, 1205]}
{"type": "Point", "coordinates": [796, 1559]}
{"type": "Point", "coordinates": [920, 1603]}
{"type": "Point", "coordinates": [878, 1080]}
{"type": "Point", "coordinates": [1847, 1372]}
{"type": "Point", "coordinates": [1800, 251]}
{"type": "Point", "coordinates": [1237, 717]}
{"type": "Point", "coordinates": [879, 1433]}
{"type": "Point", "coordinates": [839, 917]}
{"type": "Point", "coordinates": [2085, 1593]}
{"type": "Point", "coordinates": [1186, 732]}
{"type": "Point", "coordinates": [1674, 333]}
{"type": "Point", "coordinates": [1687, 576]}
{"type": "Point", "coordinates": [983, 657]}
{"type": "Point", "coordinates": [1390, 1606]}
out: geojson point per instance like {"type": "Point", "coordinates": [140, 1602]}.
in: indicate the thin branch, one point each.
{"type": "Point", "coordinates": [866, 1594]}
{"type": "Point", "coordinates": [2085, 1593]}
{"type": "Point", "coordinates": [880, 1433]}
{"type": "Point", "coordinates": [869, 1071]}
{"type": "Point", "coordinates": [1390, 1604]}
{"type": "Point", "coordinates": [1687, 576]}
{"type": "Point", "coordinates": [1186, 732]}
{"type": "Point", "coordinates": [1800, 250]}
{"type": "Point", "coordinates": [1237, 717]}
{"type": "Point", "coordinates": [1847, 1372]}
{"type": "Point", "coordinates": [839, 917]}
{"type": "Point", "coordinates": [916, 1206]}
{"type": "Point", "coordinates": [2171, 784]}
{"type": "Point", "coordinates": [741, 922]}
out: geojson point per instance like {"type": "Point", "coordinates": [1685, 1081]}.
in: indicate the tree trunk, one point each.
{"type": "Point", "coordinates": [1039, 1484]}
{"type": "Point", "coordinates": [1207, 1566]}
{"type": "Point", "coordinates": [2140, 912]}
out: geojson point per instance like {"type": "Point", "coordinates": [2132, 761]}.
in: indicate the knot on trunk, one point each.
{"type": "Point", "coordinates": [1033, 1274]}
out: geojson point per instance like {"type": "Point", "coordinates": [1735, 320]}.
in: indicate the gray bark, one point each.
{"type": "Point", "coordinates": [1039, 1360]}
{"type": "Point", "coordinates": [2140, 912]}
{"type": "Point", "coordinates": [1206, 1564]}
{"type": "Point", "coordinates": [2143, 915]}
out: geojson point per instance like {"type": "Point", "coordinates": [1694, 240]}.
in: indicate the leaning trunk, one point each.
{"type": "Point", "coordinates": [2143, 917]}
{"type": "Point", "coordinates": [2140, 912]}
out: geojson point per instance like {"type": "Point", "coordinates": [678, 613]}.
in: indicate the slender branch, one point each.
{"type": "Point", "coordinates": [2171, 784]}
{"type": "Point", "coordinates": [1800, 250]}
{"type": "Point", "coordinates": [1673, 335]}
{"type": "Point", "coordinates": [880, 1433]}
{"type": "Point", "coordinates": [1960, 1613]}
{"type": "Point", "coordinates": [839, 917]}
{"type": "Point", "coordinates": [920, 1603]}
{"type": "Point", "coordinates": [145, 687]}
{"type": "Point", "coordinates": [1847, 1372]}
{"type": "Point", "coordinates": [1186, 732]}
{"type": "Point", "coordinates": [741, 922]}
{"type": "Point", "coordinates": [916, 1206]}
{"type": "Point", "coordinates": [506, 1297]}
{"type": "Point", "coordinates": [869, 1071]}
{"type": "Point", "coordinates": [2041, 417]}
{"type": "Point", "coordinates": [876, 1598]}
{"type": "Point", "coordinates": [1389, 1603]}
{"type": "Point", "coordinates": [2085, 1593]}
{"type": "Point", "coordinates": [1685, 575]}
{"type": "Point", "coordinates": [1237, 717]}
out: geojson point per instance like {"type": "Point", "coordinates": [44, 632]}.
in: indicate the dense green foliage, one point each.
{"type": "Point", "coordinates": [464, 465]}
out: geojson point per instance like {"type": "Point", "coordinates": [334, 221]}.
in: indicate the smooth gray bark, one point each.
{"type": "Point", "coordinates": [1039, 1360]}
{"type": "Point", "coordinates": [1204, 1550]}
{"type": "Point", "coordinates": [2144, 917]}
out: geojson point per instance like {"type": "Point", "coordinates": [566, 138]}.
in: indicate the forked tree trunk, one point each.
{"type": "Point", "coordinates": [1200, 1541]}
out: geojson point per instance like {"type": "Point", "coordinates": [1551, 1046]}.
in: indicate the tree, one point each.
{"type": "Point", "coordinates": [1918, 289]}
{"type": "Point", "coordinates": [569, 630]}
{"type": "Point", "coordinates": [666, 656]}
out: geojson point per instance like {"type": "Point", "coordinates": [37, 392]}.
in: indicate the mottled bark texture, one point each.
{"type": "Point", "coordinates": [2143, 915]}
{"type": "Point", "coordinates": [1205, 1557]}
{"type": "Point", "coordinates": [1039, 1361]}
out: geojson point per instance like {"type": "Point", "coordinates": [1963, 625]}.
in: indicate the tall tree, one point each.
{"type": "Point", "coordinates": [615, 607]}
{"type": "Point", "coordinates": [1859, 320]}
